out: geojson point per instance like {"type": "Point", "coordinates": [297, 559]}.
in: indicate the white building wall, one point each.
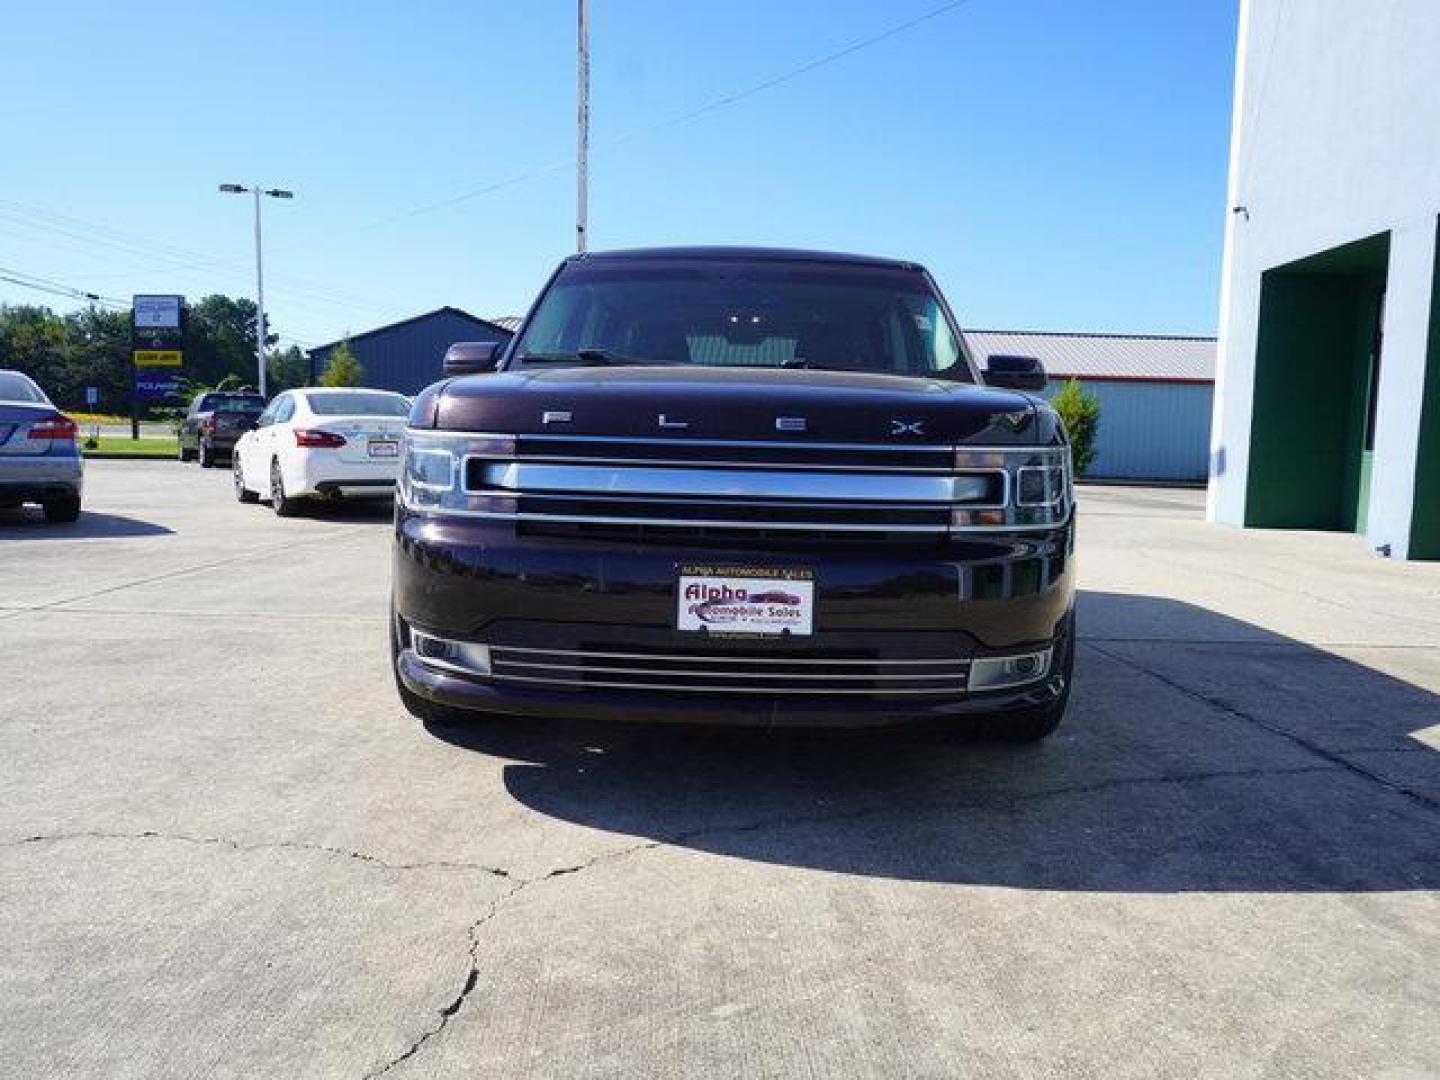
{"type": "Point", "coordinates": [1336, 138]}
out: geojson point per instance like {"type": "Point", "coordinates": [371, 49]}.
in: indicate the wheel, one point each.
{"type": "Point", "coordinates": [62, 510]}
{"type": "Point", "coordinates": [242, 493]}
{"type": "Point", "coordinates": [283, 505]}
{"type": "Point", "coordinates": [206, 455]}
{"type": "Point", "coordinates": [1040, 721]}
{"type": "Point", "coordinates": [181, 453]}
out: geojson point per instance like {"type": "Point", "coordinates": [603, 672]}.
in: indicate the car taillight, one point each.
{"type": "Point", "coordinates": [322, 440]}
{"type": "Point", "coordinates": [54, 427]}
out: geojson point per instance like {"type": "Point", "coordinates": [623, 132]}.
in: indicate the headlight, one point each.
{"type": "Point", "coordinates": [433, 469]}
{"type": "Point", "coordinates": [1038, 487]}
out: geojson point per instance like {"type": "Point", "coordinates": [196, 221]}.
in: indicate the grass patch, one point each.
{"type": "Point", "coordinates": [148, 446]}
{"type": "Point", "coordinates": [86, 418]}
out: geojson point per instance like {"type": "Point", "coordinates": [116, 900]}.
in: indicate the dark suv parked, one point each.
{"type": "Point", "coordinates": [215, 422]}
{"type": "Point", "coordinates": [736, 486]}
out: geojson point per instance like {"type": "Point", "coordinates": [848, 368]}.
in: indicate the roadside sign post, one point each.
{"type": "Point", "coordinates": [157, 344]}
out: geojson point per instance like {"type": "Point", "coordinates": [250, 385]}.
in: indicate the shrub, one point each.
{"type": "Point", "coordinates": [1079, 410]}
{"type": "Point", "coordinates": [344, 369]}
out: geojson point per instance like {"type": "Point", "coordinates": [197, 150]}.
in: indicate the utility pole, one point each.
{"type": "Point", "coordinates": [259, 300]}
{"type": "Point", "coordinates": [274, 193]}
{"type": "Point", "coordinates": [582, 134]}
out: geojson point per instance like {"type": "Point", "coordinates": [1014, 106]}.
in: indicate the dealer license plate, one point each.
{"type": "Point", "coordinates": [745, 600]}
{"type": "Point", "coordinates": [384, 448]}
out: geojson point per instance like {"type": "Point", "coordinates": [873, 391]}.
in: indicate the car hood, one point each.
{"type": "Point", "coordinates": [732, 403]}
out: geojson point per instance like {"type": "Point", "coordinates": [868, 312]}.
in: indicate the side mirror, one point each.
{"type": "Point", "coordinates": [1015, 373]}
{"type": "Point", "coordinates": [471, 358]}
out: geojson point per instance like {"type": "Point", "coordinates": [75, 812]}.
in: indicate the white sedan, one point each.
{"type": "Point", "coordinates": [321, 443]}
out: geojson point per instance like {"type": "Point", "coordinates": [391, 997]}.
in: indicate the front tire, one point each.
{"type": "Point", "coordinates": [62, 511]}
{"type": "Point", "coordinates": [283, 505]}
{"type": "Point", "coordinates": [242, 493]}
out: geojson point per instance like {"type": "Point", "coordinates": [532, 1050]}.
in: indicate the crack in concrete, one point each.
{"type": "Point", "coordinates": [275, 845]}
{"type": "Point", "coordinates": [472, 932]}
{"type": "Point", "coordinates": [446, 1013]}
{"type": "Point", "coordinates": [472, 980]}
{"type": "Point", "coordinates": [1334, 757]}
{"type": "Point", "coordinates": [472, 975]}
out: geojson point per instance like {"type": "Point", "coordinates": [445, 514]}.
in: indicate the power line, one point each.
{"type": "Point", "coordinates": [176, 258]}
{"type": "Point", "coordinates": [56, 288]}
{"type": "Point", "coordinates": [683, 118]}
{"type": "Point", "coordinates": [187, 260]}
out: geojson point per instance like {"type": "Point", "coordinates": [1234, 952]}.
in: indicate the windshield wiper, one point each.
{"type": "Point", "coordinates": [800, 362]}
{"type": "Point", "coordinates": [593, 356]}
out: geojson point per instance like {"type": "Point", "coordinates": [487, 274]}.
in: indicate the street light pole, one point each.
{"type": "Point", "coordinates": [259, 299]}
{"type": "Point", "coordinates": [582, 134]}
{"type": "Point", "coordinates": [274, 193]}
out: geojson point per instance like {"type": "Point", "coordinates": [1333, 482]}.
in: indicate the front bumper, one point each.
{"type": "Point", "coordinates": [945, 604]}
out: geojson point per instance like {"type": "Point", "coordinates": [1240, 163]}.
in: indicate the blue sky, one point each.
{"type": "Point", "coordinates": [1056, 164]}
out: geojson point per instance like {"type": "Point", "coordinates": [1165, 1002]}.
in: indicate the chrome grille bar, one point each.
{"type": "Point", "coordinates": [723, 674]}
{"type": "Point", "coordinates": [975, 490]}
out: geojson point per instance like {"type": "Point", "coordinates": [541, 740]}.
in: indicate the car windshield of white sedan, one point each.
{"type": "Point", "coordinates": [18, 388]}
{"type": "Point", "coordinates": [352, 404]}
{"type": "Point", "coordinates": [743, 313]}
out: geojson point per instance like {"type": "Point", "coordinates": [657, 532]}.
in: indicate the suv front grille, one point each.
{"type": "Point", "coordinates": [730, 673]}
{"type": "Point", "coordinates": [713, 485]}
{"type": "Point", "coordinates": [736, 453]}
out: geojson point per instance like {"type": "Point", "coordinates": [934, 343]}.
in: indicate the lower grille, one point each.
{"type": "Point", "coordinates": [709, 536]}
{"type": "Point", "coordinates": [729, 673]}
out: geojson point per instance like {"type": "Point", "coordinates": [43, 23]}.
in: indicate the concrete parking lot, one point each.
{"type": "Point", "coordinates": [227, 851]}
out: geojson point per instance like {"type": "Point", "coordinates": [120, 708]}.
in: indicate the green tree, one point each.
{"type": "Point", "coordinates": [343, 369]}
{"type": "Point", "coordinates": [91, 347]}
{"type": "Point", "coordinates": [220, 340]}
{"type": "Point", "coordinates": [96, 353]}
{"type": "Point", "coordinates": [287, 369]}
{"type": "Point", "coordinates": [1079, 410]}
{"type": "Point", "coordinates": [32, 340]}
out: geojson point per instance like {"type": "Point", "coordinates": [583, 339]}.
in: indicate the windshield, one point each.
{"type": "Point", "coordinates": [15, 387]}
{"type": "Point", "coordinates": [737, 313]}
{"type": "Point", "coordinates": [367, 404]}
{"type": "Point", "coordinates": [232, 403]}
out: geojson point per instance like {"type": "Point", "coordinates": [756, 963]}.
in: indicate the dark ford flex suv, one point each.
{"type": "Point", "coordinates": [736, 486]}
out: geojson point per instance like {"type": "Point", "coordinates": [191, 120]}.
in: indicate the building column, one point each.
{"type": "Point", "coordinates": [1401, 392]}
{"type": "Point", "coordinates": [1239, 312]}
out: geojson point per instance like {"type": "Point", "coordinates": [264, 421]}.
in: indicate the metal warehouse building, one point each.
{"type": "Point", "coordinates": [1156, 395]}
{"type": "Point", "coordinates": [1327, 412]}
{"type": "Point", "coordinates": [405, 356]}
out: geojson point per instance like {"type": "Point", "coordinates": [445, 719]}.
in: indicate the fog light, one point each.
{"type": "Point", "coordinates": [465, 657]}
{"type": "Point", "coordinates": [997, 672]}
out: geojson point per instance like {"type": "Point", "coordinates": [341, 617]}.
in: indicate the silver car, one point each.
{"type": "Point", "coordinates": [39, 459]}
